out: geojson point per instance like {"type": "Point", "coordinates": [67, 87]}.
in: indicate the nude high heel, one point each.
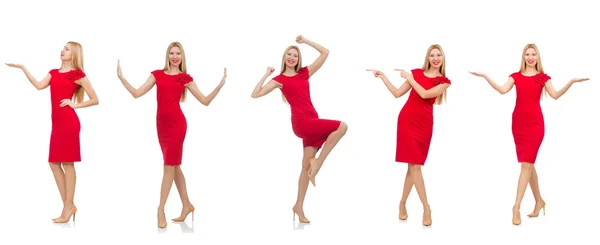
{"type": "Point", "coordinates": [182, 219]}
{"type": "Point", "coordinates": [66, 220]}
{"type": "Point", "coordinates": [536, 213]}
{"type": "Point", "coordinates": [301, 219]}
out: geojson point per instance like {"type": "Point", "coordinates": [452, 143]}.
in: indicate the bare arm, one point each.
{"type": "Point", "coordinates": [557, 94]}
{"type": "Point", "coordinates": [38, 85]}
{"type": "Point", "coordinates": [89, 90]}
{"type": "Point", "coordinates": [396, 92]}
{"type": "Point", "coordinates": [260, 90]}
{"type": "Point", "coordinates": [136, 93]}
{"type": "Point", "coordinates": [429, 93]}
{"type": "Point", "coordinates": [324, 53]}
{"type": "Point", "coordinates": [508, 85]}
{"type": "Point", "coordinates": [205, 100]}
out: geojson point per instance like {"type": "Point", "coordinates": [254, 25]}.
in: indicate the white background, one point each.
{"type": "Point", "coordinates": [241, 158]}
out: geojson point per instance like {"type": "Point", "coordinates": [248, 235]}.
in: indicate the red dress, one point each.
{"type": "Point", "coordinates": [306, 123]}
{"type": "Point", "coordinates": [415, 122]}
{"type": "Point", "coordinates": [64, 139]}
{"type": "Point", "coordinates": [527, 117]}
{"type": "Point", "coordinates": [171, 124]}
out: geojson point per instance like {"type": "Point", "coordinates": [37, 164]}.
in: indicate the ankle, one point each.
{"type": "Point", "coordinates": [426, 208]}
{"type": "Point", "coordinates": [402, 203]}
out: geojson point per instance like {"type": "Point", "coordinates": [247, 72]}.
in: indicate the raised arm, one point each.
{"type": "Point", "coordinates": [38, 85]}
{"type": "Point", "coordinates": [557, 94]}
{"type": "Point", "coordinates": [324, 53]}
{"type": "Point", "coordinates": [260, 90]}
{"type": "Point", "coordinates": [206, 100]}
{"type": "Point", "coordinates": [396, 92]}
{"type": "Point", "coordinates": [136, 93]}
{"type": "Point", "coordinates": [508, 85]}
{"type": "Point", "coordinates": [424, 93]}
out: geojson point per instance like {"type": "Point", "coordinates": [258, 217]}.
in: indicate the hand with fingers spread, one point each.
{"type": "Point", "coordinates": [377, 73]}
{"type": "Point", "coordinates": [20, 66]}
{"type": "Point", "coordinates": [67, 102]}
{"type": "Point", "coordinates": [404, 74]}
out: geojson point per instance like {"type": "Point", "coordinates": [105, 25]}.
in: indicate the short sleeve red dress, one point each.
{"type": "Point", "coordinates": [415, 122]}
{"type": "Point", "coordinates": [171, 124]}
{"type": "Point", "coordinates": [306, 123]}
{"type": "Point", "coordinates": [64, 139]}
{"type": "Point", "coordinates": [527, 117]}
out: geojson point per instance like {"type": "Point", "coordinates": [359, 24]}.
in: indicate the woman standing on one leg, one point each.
{"type": "Point", "coordinates": [415, 121]}
{"type": "Point", "coordinates": [293, 81]}
{"type": "Point", "coordinates": [65, 83]}
{"type": "Point", "coordinates": [172, 82]}
{"type": "Point", "coordinates": [528, 120]}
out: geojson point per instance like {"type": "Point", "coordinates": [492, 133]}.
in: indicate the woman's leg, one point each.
{"type": "Point", "coordinates": [330, 143]}
{"type": "Point", "coordinates": [524, 178]}
{"type": "Point", "coordinates": [187, 206]}
{"type": "Point", "coordinates": [309, 153]}
{"type": "Point", "coordinates": [417, 178]}
{"type": "Point", "coordinates": [408, 185]}
{"type": "Point", "coordinates": [535, 189]}
{"type": "Point", "coordinates": [59, 178]}
{"type": "Point", "coordinates": [167, 183]}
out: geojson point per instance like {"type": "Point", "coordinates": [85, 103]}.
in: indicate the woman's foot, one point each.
{"type": "Point", "coordinates": [162, 220]}
{"type": "Point", "coordinates": [68, 211]}
{"type": "Point", "coordinates": [403, 213]}
{"type": "Point", "coordinates": [427, 216]}
{"type": "Point", "coordinates": [516, 220]}
{"type": "Point", "coordinates": [187, 209]}
{"type": "Point", "coordinates": [313, 169]}
{"type": "Point", "coordinates": [541, 205]}
{"type": "Point", "coordinates": [301, 216]}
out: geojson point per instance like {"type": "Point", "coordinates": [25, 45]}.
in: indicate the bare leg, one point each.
{"type": "Point", "coordinates": [185, 200]}
{"type": "Point", "coordinates": [309, 153]}
{"type": "Point", "coordinates": [408, 185]}
{"type": "Point", "coordinates": [330, 143]}
{"type": "Point", "coordinates": [70, 181]}
{"type": "Point", "coordinates": [417, 178]}
{"type": "Point", "coordinates": [524, 178]}
{"type": "Point", "coordinates": [167, 183]}
{"type": "Point", "coordinates": [535, 189]}
{"type": "Point", "coordinates": [59, 178]}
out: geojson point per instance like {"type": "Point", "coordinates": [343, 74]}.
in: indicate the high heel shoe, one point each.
{"type": "Point", "coordinates": [301, 219]}
{"type": "Point", "coordinates": [516, 220]}
{"type": "Point", "coordinates": [162, 224]}
{"type": "Point", "coordinates": [427, 218]}
{"type": "Point", "coordinates": [182, 218]}
{"type": "Point", "coordinates": [66, 220]}
{"type": "Point", "coordinates": [311, 164]}
{"type": "Point", "coordinates": [536, 213]}
{"type": "Point", "coordinates": [61, 215]}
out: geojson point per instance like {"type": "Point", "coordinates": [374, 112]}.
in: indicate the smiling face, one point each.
{"type": "Point", "coordinates": [175, 56]}
{"type": "Point", "coordinates": [530, 57]}
{"type": "Point", "coordinates": [65, 54]}
{"type": "Point", "coordinates": [291, 57]}
{"type": "Point", "coordinates": [436, 59]}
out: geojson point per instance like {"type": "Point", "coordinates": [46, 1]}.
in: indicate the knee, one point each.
{"type": "Point", "coordinates": [54, 165]}
{"type": "Point", "coordinates": [414, 168]}
{"type": "Point", "coordinates": [526, 165]}
{"type": "Point", "coordinates": [343, 128]}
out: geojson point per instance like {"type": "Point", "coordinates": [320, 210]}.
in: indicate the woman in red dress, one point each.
{"type": "Point", "coordinates": [528, 120]}
{"type": "Point", "coordinates": [415, 121]}
{"type": "Point", "coordinates": [171, 84]}
{"type": "Point", "coordinates": [68, 82]}
{"type": "Point", "coordinates": [315, 132]}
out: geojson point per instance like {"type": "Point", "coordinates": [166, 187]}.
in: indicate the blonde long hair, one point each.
{"type": "Point", "coordinates": [426, 65]}
{"type": "Point", "coordinates": [538, 64]}
{"type": "Point", "coordinates": [182, 65]}
{"type": "Point", "coordinates": [284, 67]}
{"type": "Point", "coordinates": [77, 64]}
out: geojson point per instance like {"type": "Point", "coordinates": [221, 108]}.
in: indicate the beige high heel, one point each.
{"type": "Point", "coordinates": [536, 213]}
{"type": "Point", "coordinates": [301, 219]}
{"type": "Point", "coordinates": [182, 219]}
{"type": "Point", "coordinates": [311, 164]}
{"type": "Point", "coordinates": [66, 220]}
